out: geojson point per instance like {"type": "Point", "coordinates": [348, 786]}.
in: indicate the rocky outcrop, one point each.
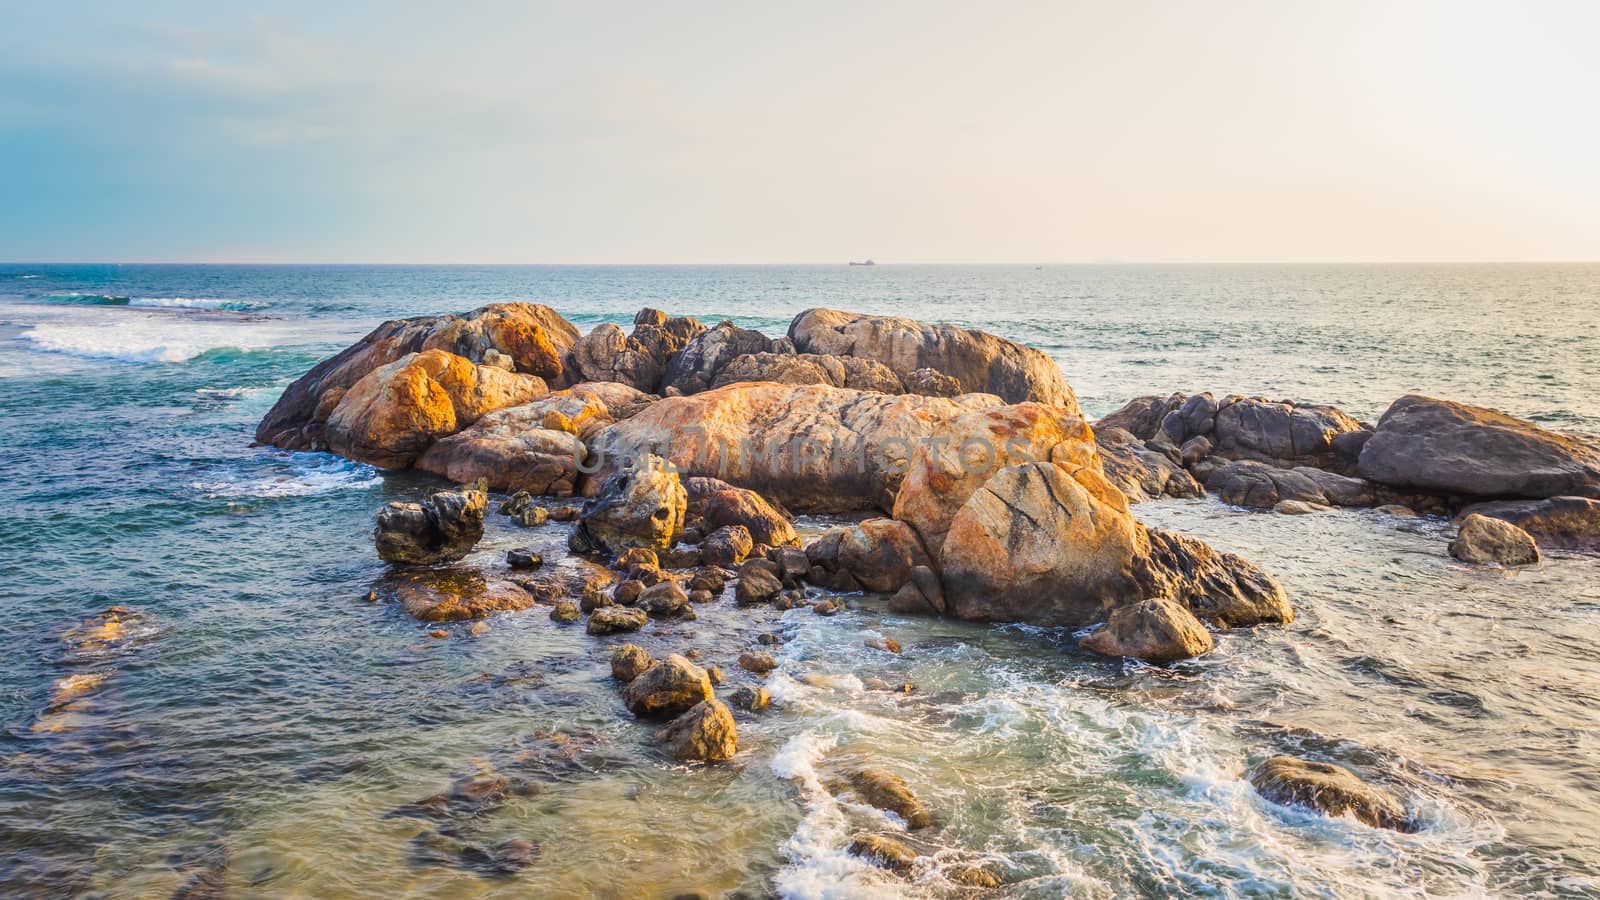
{"type": "Point", "coordinates": [1157, 630]}
{"type": "Point", "coordinates": [1052, 545]}
{"type": "Point", "coordinates": [968, 449]}
{"type": "Point", "coordinates": [391, 416]}
{"type": "Point", "coordinates": [1284, 433]}
{"type": "Point", "coordinates": [525, 338]}
{"type": "Point", "coordinates": [1329, 789]}
{"type": "Point", "coordinates": [637, 507]}
{"type": "Point", "coordinates": [872, 555]}
{"type": "Point", "coordinates": [1261, 486]}
{"type": "Point", "coordinates": [535, 447]}
{"type": "Point", "coordinates": [1485, 541]}
{"type": "Point", "coordinates": [810, 368]}
{"type": "Point", "coordinates": [1441, 447]}
{"type": "Point", "coordinates": [695, 368]}
{"type": "Point", "coordinates": [1141, 416]}
{"type": "Point", "coordinates": [980, 362]}
{"type": "Point", "coordinates": [812, 448]}
{"type": "Point", "coordinates": [443, 528]}
{"type": "Point", "coordinates": [638, 360]}
{"type": "Point", "coordinates": [669, 688]}
{"type": "Point", "coordinates": [706, 733]}
{"type": "Point", "coordinates": [1143, 470]}
{"type": "Point", "coordinates": [1566, 523]}
{"type": "Point", "coordinates": [737, 506]}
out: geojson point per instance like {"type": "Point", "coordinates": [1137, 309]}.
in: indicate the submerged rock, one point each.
{"type": "Point", "coordinates": [1330, 789]}
{"type": "Point", "coordinates": [751, 698]}
{"type": "Point", "coordinates": [453, 595]}
{"type": "Point", "coordinates": [1157, 630]}
{"type": "Point", "coordinates": [1451, 448]}
{"type": "Point", "coordinates": [612, 619]}
{"type": "Point", "coordinates": [883, 851]}
{"type": "Point", "coordinates": [1486, 541]}
{"type": "Point", "coordinates": [669, 688]}
{"type": "Point", "coordinates": [888, 791]}
{"type": "Point", "coordinates": [1567, 523]}
{"type": "Point", "coordinates": [637, 507]}
{"type": "Point", "coordinates": [980, 362]}
{"type": "Point", "coordinates": [443, 528]}
{"type": "Point", "coordinates": [705, 733]}
{"type": "Point", "coordinates": [531, 337]}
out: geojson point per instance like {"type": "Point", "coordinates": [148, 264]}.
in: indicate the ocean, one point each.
{"type": "Point", "coordinates": [262, 724]}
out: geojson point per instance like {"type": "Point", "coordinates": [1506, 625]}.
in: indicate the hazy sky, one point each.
{"type": "Point", "coordinates": [806, 132]}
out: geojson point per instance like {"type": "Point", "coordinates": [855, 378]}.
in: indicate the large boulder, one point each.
{"type": "Point", "coordinates": [706, 733]}
{"type": "Point", "coordinates": [811, 448]}
{"type": "Point", "coordinates": [873, 555]}
{"type": "Point", "coordinates": [527, 338]}
{"type": "Point", "coordinates": [638, 360]}
{"type": "Point", "coordinates": [1566, 523]}
{"type": "Point", "coordinates": [1054, 545]}
{"type": "Point", "coordinates": [1156, 630]}
{"type": "Point", "coordinates": [1451, 448]}
{"type": "Point", "coordinates": [535, 447]}
{"type": "Point", "coordinates": [696, 366]}
{"type": "Point", "coordinates": [1261, 486]}
{"type": "Point", "coordinates": [810, 368]}
{"type": "Point", "coordinates": [981, 362]}
{"type": "Point", "coordinates": [443, 528]}
{"type": "Point", "coordinates": [1141, 416]}
{"type": "Point", "coordinates": [395, 413]}
{"type": "Point", "coordinates": [1284, 433]}
{"type": "Point", "coordinates": [638, 507]}
{"type": "Point", "coordinates": [969, 448]}
{"type": "Point", "coordinates": [1329, 789]}
{"type": "Point", "coordinates": [738, 506]}
{"type": "Point", "coordinates": [1485, 541]}
{"type": "Point", "coordinates": [669, 688]}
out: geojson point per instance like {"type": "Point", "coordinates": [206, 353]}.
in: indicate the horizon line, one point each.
{"type": "Point", "coordinates": [842, 264]}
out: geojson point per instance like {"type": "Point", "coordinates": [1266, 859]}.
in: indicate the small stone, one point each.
{"type": "Point", "coordinates": [768, 639]}
{"type": "Point", "coordinates": [532, 517]}
{"type": "Point", "coordinates": [593, 599]}
{"type": "Point", "coordinates": [698, 597]}
{"type": "Point", "coordinates": [709, 579]}
{"type": "Point", "coordinates": [565, 611]}
{"type": "Point", "coordinates": [629, 662]}
{"type": "Point", "coordinates": [478, 629]}
{"type": "Point", "coordinates": [716, 675]}
{"type": "Point", "coordinates": [516, 503]}
{"type": "Point", "coordinates": [758, 661]}
{"type": "Point", "coordinates": [636, 556]}
{"type": "Point", "coordinates": [524, 558]}
{"type": "Point", "coordinates": [617, 618]}
{"type": "Point", "coordinates": [438, 633]}
{"type": "Point", "coordinates": [564, 513]}
{"type": "Point", "coordinates": [750, 698]}
{"type": "Point", "coordinates": [627, 593]}
{"type": "Point", "coordinates": [825, 608]}
{"type": "Point", "coordinates": [883, 852]}
{"type": "Point", "coordinates": [886, 644]}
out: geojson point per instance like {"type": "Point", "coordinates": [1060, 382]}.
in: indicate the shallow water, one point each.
{"type": "Point", "coordinates": [263, 728]}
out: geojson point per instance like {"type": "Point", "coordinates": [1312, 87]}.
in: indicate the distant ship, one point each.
{"type": "Point", "coordinates": [867, 263]}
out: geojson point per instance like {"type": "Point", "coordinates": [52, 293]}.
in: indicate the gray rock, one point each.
{"type": "Point", "coordinates": [443, 528]}
{"type": "Point", "coordinates": [1566, 523]}
{"type": "Point", "coordinates": [1485, 541]}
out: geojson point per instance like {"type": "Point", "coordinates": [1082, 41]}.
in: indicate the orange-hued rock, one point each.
{"type": "Point", "coordinates": [873, 555]}
{"type": "Point", "coordinates": [452, 595]}
{"type": "Point", "coordinates": [1156, 630]}
{"type": "Point", "coordinates": [974, 446]}
{"type": "Point", "coordinates": [980, 361]}
{"type": "Point", "coordinates": [535, 447]}
{"type": "Point", "coordinates": [529, 338]}
{"type": "Point", "coordinates": [809, 447]}
{"type": "Point", "coordinates": [393, 415]}
{"type": "Point", "coordinates": [636, 507]}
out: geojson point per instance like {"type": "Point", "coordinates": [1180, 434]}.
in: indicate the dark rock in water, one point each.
{"type": "Point", "coordinates": [1142, 473]}
{"type": "Point", "coordinates": [628, 592]}
{"type": "Point", "coordinates": [973, 877]}
{"type": "Point", "coordinates": [1330, 789]}
{"type": "Point", "coordinates": [1157, 630]}
{"type": "Point", "coordinates": [531, 338]}
{"type": "Point", "coordinates": [681, 558]}
{"type": "Point", "coordinates": [978, 361]}
{"type": "Point", "coordinates": [883, 851]}
{"type": "Point", "coordinates": [516, 504]}
{"type": "Point", "coordinates": [751, 698]}
{"type": "Point", "coordinates": [705, 733]}
{"type": "Point", "coordinates": [923, 594]}
{"type": "Point", "coordinates": [524, 558]}
{"type": "Point", "coordinates": [468, 797]}
{"type": "Point", "coordinates": [637, 507]}
{"type": "Point", "coordinates": [825, 608]}
{"type": "Point", "coordinates": [737, 506]}
{"type": "Point", "coordinates": [1283, 433]}
{"type": "Point", "coordinates": [1566, 523]}
{"type": "Point", "coordinates": [596, 599]}
{"type": "Point", "coordinates": [710, 579]}
{"type": "Point", "coordinates": [445, 847]}
{"type": "Point", "coordinates": [1437, 446]}
{"type": "Point", "coordinates": [443, 528]}
{"type": "Point", "coordinates": [532, 517]}
{"type": "Point", "coordinates": [1212, 584]}
{"type": "Point", "coordinates": [565, 611]}
{"type": "Point", "coordinates": [664, 601]}
{"type": "Point", "coordinates": [1141, 416]}
{"type": "Point", "coordinates": [669, 688]}
{"type": "Point", "coordinates": [629, 662]}
{"type": "Point", "coordinates": [727, 546]}
{"type": "Point", "coordinates": [756, 585]}
{"type": "Point", "coordinates": [1261, 486]}
{"type": "Point", "coordinates": [888, 791]}
{"type": "Point", "coordinates": [696, 367]}
{"type": "Point", "coordinates": [1486, 541]}
{"type": "Point", "coordinates": [758, 661]}
{"type": "Point", "coordinates": [874, 554]}
{"type": "Point", "coordinates": [613, 619]}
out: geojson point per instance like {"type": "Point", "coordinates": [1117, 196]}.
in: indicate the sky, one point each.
{"type": "Point", "coordinates": [1283, 131]}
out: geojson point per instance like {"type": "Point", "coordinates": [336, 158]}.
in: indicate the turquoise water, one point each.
{"type": "Point", "coordinates": [261, 723]}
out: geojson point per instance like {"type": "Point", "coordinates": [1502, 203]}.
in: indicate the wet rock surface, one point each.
{"type": "Point", "coordinates": [1329, 789]}
{"type": "Point", "coordinates": [1482, 540]}
{"type": "Point", "coordinates": [442, 528]}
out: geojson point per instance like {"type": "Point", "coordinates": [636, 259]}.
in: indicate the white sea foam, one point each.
{"type": "Point", "coordinates": [819, 866]}
{"type": "Point", "coordinates": [189, 303]}
{"type": "Point", "coordinates": [308, 474]}
{"type": "Point", "coordinates": [144, 340]}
